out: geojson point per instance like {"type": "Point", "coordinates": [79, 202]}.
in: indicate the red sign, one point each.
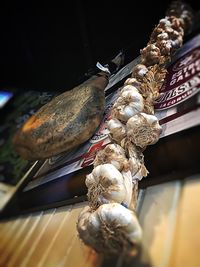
{"type": "Point", "coordinates": [182, 81]}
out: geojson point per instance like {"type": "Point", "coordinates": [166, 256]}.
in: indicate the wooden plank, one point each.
{"type": "Point", "coordinates": [4, 224]}
{"type": "Point", "coordinates": [187, 235]}
{"type": "Point", "coordinates": [21, 236]}
{"type": "Point", "coordinates": [157, 217]}
{"type": "Point", "coordinates": [10, 248]}
{"type": "Point", "coordinates": [14, 228]}
{"type": "Point", "coordinates": [28, 238]}
{"type": "Point", "coordinates": [37, 251]}
{"type": "Point", "coordinates": [81, 255]}
{"type": "Point", "coordinates": [9, 230]}
{"type": "Point", "coordinates": [63, 240]}
{"type": "Point", "coordinates": [57, 242]}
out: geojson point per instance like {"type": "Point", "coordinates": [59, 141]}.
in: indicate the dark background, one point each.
{"type": "Point", "coordinates": [51, 46]}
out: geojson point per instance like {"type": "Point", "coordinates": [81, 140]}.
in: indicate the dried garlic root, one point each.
{"type": "Point", "coordinates": [109, 224]}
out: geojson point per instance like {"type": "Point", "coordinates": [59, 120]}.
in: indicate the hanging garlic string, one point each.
{"type": "Point", "coordinates": [109, 224]}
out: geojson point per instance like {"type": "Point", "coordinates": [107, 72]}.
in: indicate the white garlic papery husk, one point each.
{"type": "Point", "coordinates": [150, 55]}
{"type": "Point", "coordinates": [88, 226]}
{"type": "Point", "coordinates": [132, 81]}
{"type": "Point", "coordinates": [111, 229]}
{"type": "Point", "coordinates": [129, 88]}
{"type": "Point", "coordinates": [124, 225]}
{"type": "Point", "coordinates": [165, 47]}
{"type": "Point", "coordinates": [134, 198]}
{"type": "Point", "coordinates": [125, 112]}
{"type": "Point", "coordinates": [129, 187]}
{"type": "Point", "coordinates": [105, 185]}
{"type": "Point", "coordinates": [113, 154]}
{"type": "Point", "coordinates": [117, 130]}
{"type": "Point", "coordinates": [139, 71]}
{"type": "Point", "coordinates": [129, 102]}
{"type": "Point", "coordinates": [129, 94]}
{"type": "Point", "coordinates": [136, 160]}
{"type": "Point", "coordinates": [143, 129]}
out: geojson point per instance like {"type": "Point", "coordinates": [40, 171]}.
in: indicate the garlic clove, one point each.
{"type": "Point", "coordinates": [117, 130]}
{"type": "Point", "coordinates": [130, 87]}
{"type": "Point", "coordinates": [107, 174]}
{"type": "Point", "coordinates": [139, 71]}
{"type": "Point", "coordinates": [151, 118]}
{"type": "Point", "coordinates": [125, 112]}
{"type": "Point", "coordinates": [83, 226]}
{"type": "Point", "coordinates": [93, 223]}
{"type": "Point", "coordinates": [128, 95]}
{"type": "Point", "coordinates": [108, 186]}
{"type": "Point", "coordinates": [90, 180]}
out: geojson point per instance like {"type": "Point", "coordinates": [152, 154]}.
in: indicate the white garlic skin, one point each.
{"type": "Point", "coordinates": [151, 119]}
{"type": "Point", "coordinates": [109, 229]}
{"type": "Point", "coordinates": [135, 168]}
{"type": "Point", "coordinates": [139, 71]}
{"type": "Point", "coordinates": [150, 55]}
{"type": "Point", "coordinates": [129, 187]}
{"type": "Point", "coordinates": [125, 112]}
{"type": "Point", "coordinates": [132, 81]}
{"type": "Point", "coordinates": [136, 161]}
{"type": "Point", "coordinates": [138, 169]}
{"type": "Point", "coordinates": [131, 95]}
{"type": "Point", "coordinates": [116, 214]}
{"type": "Point", "coordinates": [165, 22]}
{"type": "Point", "coordinates": [143, 129]}
{"type": "Point", "coordinates": [113, 154]}
{"type": "Point", "coordinates": [129, 103]}
{"type": "Point", "coordinates": [85, 229]}
{"type": "Point", "coordinates": [117, 130]}
{"type": "Point", "coordinates": [110, 183]}
{"type": "Point", "coordinates": [129, 88]}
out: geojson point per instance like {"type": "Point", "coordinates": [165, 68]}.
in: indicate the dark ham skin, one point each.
{"type": "Point", "coordinates": [65, 122]}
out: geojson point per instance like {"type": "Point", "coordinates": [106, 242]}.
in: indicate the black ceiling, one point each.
{"type": "Point", "coordinates": [52, 46]}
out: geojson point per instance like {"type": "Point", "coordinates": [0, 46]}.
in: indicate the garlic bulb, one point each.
{"type": "Point", "coordinates": [113, 154]}
{"type": "Point", "coordinates": [183, 12]}
{"type": "Point", "coordinates": [117, 130]}
{"type": "Point", "coordinates": [105, 185]}
{"type": "Point", "coordinates": [83, 224]}
{"type": "Point", "coordinates": [110, 229]}
{"type": "Point", "coordinates": [139, 71]}
{"type": "Point", "coordinates": [143, 129]}
{"type": "Point", "coordinates": [150, 55]}
{"type": "Point", "coordinates": [129, 103]}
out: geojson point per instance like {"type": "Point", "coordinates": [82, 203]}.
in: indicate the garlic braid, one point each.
{"type": "Point", "coordinates": [109, 224]}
